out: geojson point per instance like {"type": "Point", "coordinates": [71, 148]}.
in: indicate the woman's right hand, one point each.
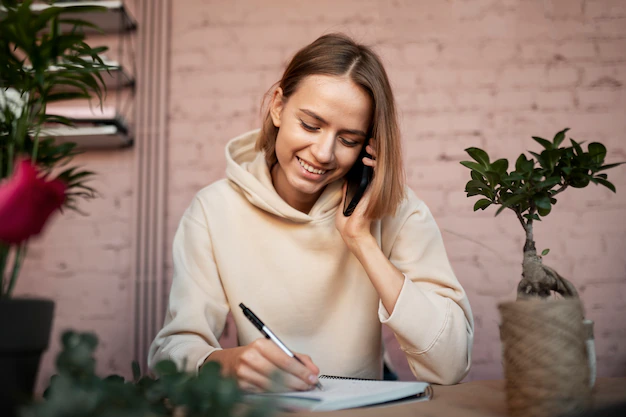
{"type": "Point", "coordinates": [259, 366]}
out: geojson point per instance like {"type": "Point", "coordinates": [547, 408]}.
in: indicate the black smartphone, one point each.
{"type": "Point", "coordinates": [358, 179]}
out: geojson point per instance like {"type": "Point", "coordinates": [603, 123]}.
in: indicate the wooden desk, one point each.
{"type": "Point", "coordinates": [471, 399]}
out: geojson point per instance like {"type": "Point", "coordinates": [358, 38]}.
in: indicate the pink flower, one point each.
{"type": "Point", "coordinates": [26, 202]}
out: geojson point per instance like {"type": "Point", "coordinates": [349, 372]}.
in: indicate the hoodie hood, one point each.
{"type": "Point", "coordinates": [248, 170]}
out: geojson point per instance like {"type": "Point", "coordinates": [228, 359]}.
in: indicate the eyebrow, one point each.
{"type": "Point", "coordinates": [321, 120]}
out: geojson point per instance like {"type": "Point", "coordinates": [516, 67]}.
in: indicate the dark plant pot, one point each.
{"type": "Point", "coordinates": [25, 326]}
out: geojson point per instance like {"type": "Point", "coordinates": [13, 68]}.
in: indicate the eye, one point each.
{"type": "Point", "coordinates": [348, 142]}
{"type": "Point", "coordinates": [308, 127]}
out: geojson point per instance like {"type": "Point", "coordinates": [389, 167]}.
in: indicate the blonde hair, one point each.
{"type": "Point", "coordinates": [338, 55]}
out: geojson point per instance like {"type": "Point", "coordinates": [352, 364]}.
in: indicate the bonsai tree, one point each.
{"type": "Point", "coordinates": [530, 190]}
{"type": "Point", "coordinates": [39, 65]}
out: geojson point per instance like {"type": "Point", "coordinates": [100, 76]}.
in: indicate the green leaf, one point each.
{"type": "Point", "coordinates": [500, 166]}
{"type": "Point", "coordinates": [543, 142]}
{"type": "Point", "coordinates": [474, 191]}
{"type": "Point", "coordinates": [542, 201]}
{"type": "Point", "coordinates": [476, 184]}
{"type": "Point", "coordinates": [513, 200]}
{"type": "Point", "coordinates": [559, 137]}
{"type": "Point", "coordinates": [479, 156]}
{"type": "Point", "coordinates": [475, 187]}
{"type": "Point", "coordinates": [580, 180]}
{"type": "Point", "coordinates": [533, 217]}
{"type": "Point", "coordinates": [544, 212]}
{"type": "Point", "coordinates": [577, 148]}
{"type": "Point", "coordinates": [515, 176]}
{"type": "Point", "coordinates": [607, 184]}
{"type": "Point", "coordinates": [477, 176]}
{"type": "Point", "coordinates": [540, 159]}
{"type": "Point", "coordinates": [552, 157]}
{"type": "Point", "coordinates": [501, 209]}
{"type": "Point", "coordinates": [165, 367]}
{"type": "Point", "coordinates": [116, 379]}
{"type": "Point", "coordinates": [136, 371]}
{"type": "Point", "coordinates": [44, 17]}
{"type": "Point", "coordinates": [493, 178]}
{"type": "Point", "coordinates": [609, 166]}
{"type": "Point", "coordinates": [82, 23]}
{"type": "Point", "coordinates": [211, 367]}
{"type": "Point", "coordinates": [474, 166]}
{"type": "Point", "coordinates": [523, 164]}
{"type": "Point", "coordinates": [483, 203]}
{"type": "Point", "coordinates": [90, 339]}
{"type": "Point", "coordinates": [545, 252]}
{"type": "Point", "coordinates": [597, 151]}
{"type": "Point", "coordinates": [549, 182]}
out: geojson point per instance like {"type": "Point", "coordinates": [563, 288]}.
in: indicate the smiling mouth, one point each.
{"type": "Point", "coordinates": [310, 168]}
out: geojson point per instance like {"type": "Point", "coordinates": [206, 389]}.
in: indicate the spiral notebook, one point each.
{"type": "Point", "coordinates": [340, 393]}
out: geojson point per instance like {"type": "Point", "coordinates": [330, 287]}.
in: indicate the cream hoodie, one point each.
{"type": "Point", "coordinates": [239, 242]}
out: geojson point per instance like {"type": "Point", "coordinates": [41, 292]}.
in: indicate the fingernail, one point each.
{"type": "Point", "coordinates": [313, 379]}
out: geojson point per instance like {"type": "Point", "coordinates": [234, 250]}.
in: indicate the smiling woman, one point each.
{"type": "Point", "coordinates": [320, 132]}
{"type": "Point", "coordinates": [273, 236]}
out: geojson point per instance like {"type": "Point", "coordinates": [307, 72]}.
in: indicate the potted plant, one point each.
{"type": "Point", "coordinates": [39, 65]}
{"type": "Point", "coordinates": [546, 360]}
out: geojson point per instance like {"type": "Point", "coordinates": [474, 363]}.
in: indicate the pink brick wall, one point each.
{"type": "Point", "coordinates": [487, 73]}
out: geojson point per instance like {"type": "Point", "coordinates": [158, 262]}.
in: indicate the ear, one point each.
{"type": "Point", "coordinates": [277, 106]}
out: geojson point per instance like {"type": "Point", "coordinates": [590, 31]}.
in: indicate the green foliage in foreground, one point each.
{"type": "Point", "coordinates": [76, 391]}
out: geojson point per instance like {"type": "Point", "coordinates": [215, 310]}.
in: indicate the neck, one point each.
{"type": "Point", "coordinates": [299, 201]}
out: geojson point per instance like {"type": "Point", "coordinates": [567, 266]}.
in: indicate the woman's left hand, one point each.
{"type": "Point", "coordinates": [356, 227]}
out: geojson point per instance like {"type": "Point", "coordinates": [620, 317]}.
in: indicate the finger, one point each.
{"type": "Point", "coordinates": [363, 204]}
{"type": "Point", "coordinates": [308, 362]}
{"type": "Point", "coordinates": [251, 380]}
{"type": "Point", "coordinates": [248, 387]}
{"type": "Point", "coordinates": [291, 366]}
{"type": "Point", "coordinates": [257, 369]}
{"type": "Point", "coordinates": [294, 383]}
{"type": "Point", "coordinates": [369, 162]}
{"type": "Point", "coordinates": [370, 150]}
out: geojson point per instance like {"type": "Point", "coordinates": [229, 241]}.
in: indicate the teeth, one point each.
{"type": "Point", "coordinates": [310, 168]}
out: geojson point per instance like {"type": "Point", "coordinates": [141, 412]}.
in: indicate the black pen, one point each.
{"type": "Point", "coordinates": [270, 335]}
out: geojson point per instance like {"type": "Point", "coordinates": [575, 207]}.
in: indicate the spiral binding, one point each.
{"type": "Point", "coordinates": [346, 377]}
{"type": "Point", "coordinates": [428, 392]}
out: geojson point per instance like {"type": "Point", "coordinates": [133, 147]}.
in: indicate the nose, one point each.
{"type": "Point", "coordinates": [324, 148]}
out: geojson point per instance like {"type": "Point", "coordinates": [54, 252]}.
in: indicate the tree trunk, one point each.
{"type": "Point", "coordinates": [539, 280]}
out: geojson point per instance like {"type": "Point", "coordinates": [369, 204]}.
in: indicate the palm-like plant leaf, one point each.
{"type": "Point", "coordinates": [45, 65]}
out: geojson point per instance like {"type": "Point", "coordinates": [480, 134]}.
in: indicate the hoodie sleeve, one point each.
{"type": "Point", "coordinates": [197, 308]}
{"type": "Point", "coordinates": [432, 319]}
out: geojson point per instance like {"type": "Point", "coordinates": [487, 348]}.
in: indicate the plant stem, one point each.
{"type": "Point", "coordinates": [36, 140]}
{"type": "Point", "coordinates": [1, 163]}
{"type": "Point", "coordinates": [17, 264]}
{"type": "Point", "coordinates": [9, 159]}
{"type": "Point", "coordinates": [4, 254]}
{"type": "Point", "coordinates": [5, 100]}
{"type": "Point", "coordinates": [520, 218]}
{"type": "Point", "coordinates": [530, 240]}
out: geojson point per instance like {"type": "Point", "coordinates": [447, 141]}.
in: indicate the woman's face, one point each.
{"type": "Point", "coordinates": [322, 128]}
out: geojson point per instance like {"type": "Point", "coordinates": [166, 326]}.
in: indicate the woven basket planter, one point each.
{"type": "Point", "coordinates": [546, 364]}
